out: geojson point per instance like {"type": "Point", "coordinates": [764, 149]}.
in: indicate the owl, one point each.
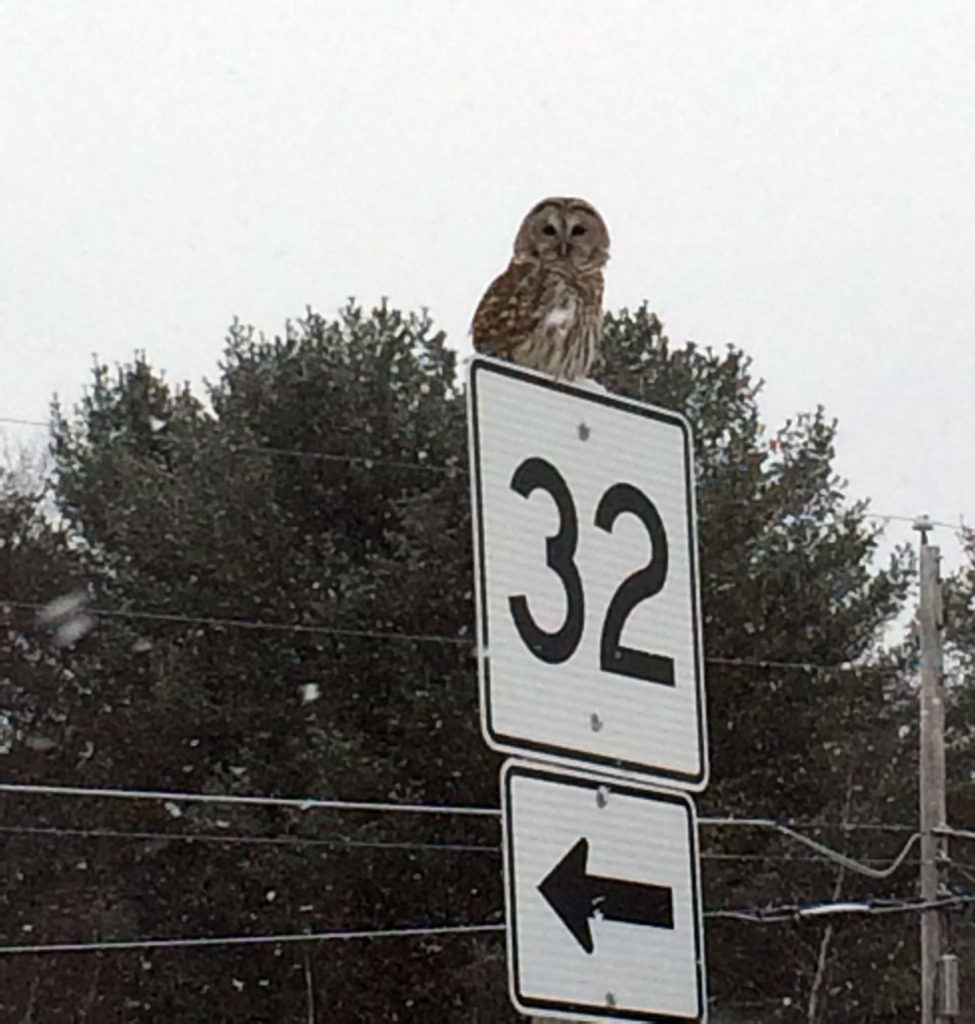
{"type": "Point", "coordinates": [546, 310]}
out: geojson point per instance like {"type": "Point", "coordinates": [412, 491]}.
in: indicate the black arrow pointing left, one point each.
{"type": "Point", "coordinates": [577, 897]}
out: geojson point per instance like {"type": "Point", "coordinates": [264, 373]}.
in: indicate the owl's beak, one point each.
{"type": "Point", "coordinates": [564, 249]}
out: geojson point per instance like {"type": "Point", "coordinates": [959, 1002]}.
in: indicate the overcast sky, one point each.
{"type": "Point", "coordinates": [796, 179]}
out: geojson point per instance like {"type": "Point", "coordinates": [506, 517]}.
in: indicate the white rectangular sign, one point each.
{"type": "Point", "coordinates": [588, 615]}
{"type": "Point", "coordinates": [602, 897]}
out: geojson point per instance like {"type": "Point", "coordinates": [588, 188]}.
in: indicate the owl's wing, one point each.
{"type": "Point", "coordinates": [510, 310]}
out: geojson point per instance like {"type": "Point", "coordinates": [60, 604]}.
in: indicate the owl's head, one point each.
{"type": "Point", "coordinates": [564, 230]}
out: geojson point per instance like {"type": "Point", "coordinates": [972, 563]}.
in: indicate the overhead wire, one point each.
{"type": "Point", "coordinates": [393, 636]}
{"type": "Point", "coordinates": [948, 832]}
{"type": "Point", "coordinates": [252, 624]}
{"type": "Point", "coordinates": [234, 447]}
{"type": "Point", "coordinates": [786, 858]}
{"type": "Point", "coordinates": [750, 915]}
{"type": "Point", "coordinates": [16, 421]}
{"type": "Point", "coordinates": [367, 461]}
{"type": "Point", "coordinates": [738, 1003]}
{"type": "Point", "coordinates": [296, 803]}
{"type": "Point", "coordinates": [370, 461]}
{"type": "Point", "coordinates": [846, 826]}
{"type": "Point", "coordinates": [797, 912]}
{"type": "Point", "coordinates": [960, 525]}
{"type": "Point", "coordinates": [310, 803]}
{"type": "Point", "coordinates": [965, 870]}
{"type": "Point", "coordinates": [829, 853]}
{"type": "Point", "coordinates": [247, 940]}
{"type": "Point", "coordinates": [296, 842]}
{"type": "Point", "coordinates": [803, 666]}
{"type": "Point", "coordinates": [953, 833]}
{"type": "Point", "coordinates": [302, 842]}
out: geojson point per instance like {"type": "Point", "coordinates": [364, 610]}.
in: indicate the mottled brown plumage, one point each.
{"type": "Point", "coordinates": [546, 310]}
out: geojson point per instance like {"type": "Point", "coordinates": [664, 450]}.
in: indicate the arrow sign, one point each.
{"type": "Point", "coordinates": [643, 878]}
{"type": "Point", "coordinates": [576, 897]}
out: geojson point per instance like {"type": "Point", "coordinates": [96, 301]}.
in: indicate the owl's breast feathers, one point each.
{"type": "Point", "coordinates": [531, 300]}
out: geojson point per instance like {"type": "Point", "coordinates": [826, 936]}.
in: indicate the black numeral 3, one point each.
{"type": "Point", "coordinates": [555, 647]}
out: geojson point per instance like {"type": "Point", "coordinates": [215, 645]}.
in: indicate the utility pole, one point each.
{"type": "Point", "coordinates": [932, 762]}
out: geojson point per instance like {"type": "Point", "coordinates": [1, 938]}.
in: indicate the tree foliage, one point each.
{"type": "Point", "coordinates": [289, 560]}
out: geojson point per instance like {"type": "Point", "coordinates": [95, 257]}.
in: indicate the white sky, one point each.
{"type": "Point", "coordinates": [794, 178]}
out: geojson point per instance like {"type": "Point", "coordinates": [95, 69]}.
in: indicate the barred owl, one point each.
{"type": "Point", "coordinates": [546, 310]}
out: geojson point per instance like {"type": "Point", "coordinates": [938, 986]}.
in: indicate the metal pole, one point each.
{"type": "Point", "coordinates": [932, 763]}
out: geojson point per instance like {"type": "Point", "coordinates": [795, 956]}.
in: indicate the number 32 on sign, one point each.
{"type": "Point", "coordinates": [588, 612]}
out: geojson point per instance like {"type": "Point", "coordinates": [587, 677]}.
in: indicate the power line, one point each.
{"type": "Point", "coordinates": [787, 858]}
{"type": "Point", "coordinates": [960, 525]}
{"type": "Point", "coordinates": [313, 803]}
{"type": "Point", "coordinates": [963, 869]}
{"type": "Point", "coordinates": [795, 912]}
{"type": "Point", "coordinates": [803, 666]}
{"type": "Point", "coordinates": [953, 833]}
{"type": "Point", "coordinates": [440, 638]}
{"type": "Point", "coordinates": [393, 808]}
{"type": "Point", "coordinates": [298, 842]}
{"type": "Point", "coordinates": [737, 1003]}
{"type": "Point", "coordinates": [249, 940]}
{"type": "Point", "coordinates": [298, 803]}
{"type": "Point", "coordinates": [830, 854]}
{"type": "Point", "coordinates": [846, 826]}
{"type": "Point", "coordinates": [369, 462]}
{"type": "Point", "coordinates": [23, 423]}
{"type": "Point", "coordinates": [253, 624]}
{"type": "Point", "coordinates": [751, 915]}
{"type": "Point", "coordinates": [301, 842]}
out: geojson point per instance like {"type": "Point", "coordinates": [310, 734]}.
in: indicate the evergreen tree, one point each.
{"type": "Point", "coordinates": [303, 536]}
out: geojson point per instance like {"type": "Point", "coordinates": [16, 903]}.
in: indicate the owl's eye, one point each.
{"type": "Point", "coordinates": [578, 229]}
{"type": "Point", "coordinates": [548, 230]}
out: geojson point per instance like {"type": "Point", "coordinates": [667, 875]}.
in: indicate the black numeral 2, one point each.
{"type": "Point", "coordinates": [534, 474]}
